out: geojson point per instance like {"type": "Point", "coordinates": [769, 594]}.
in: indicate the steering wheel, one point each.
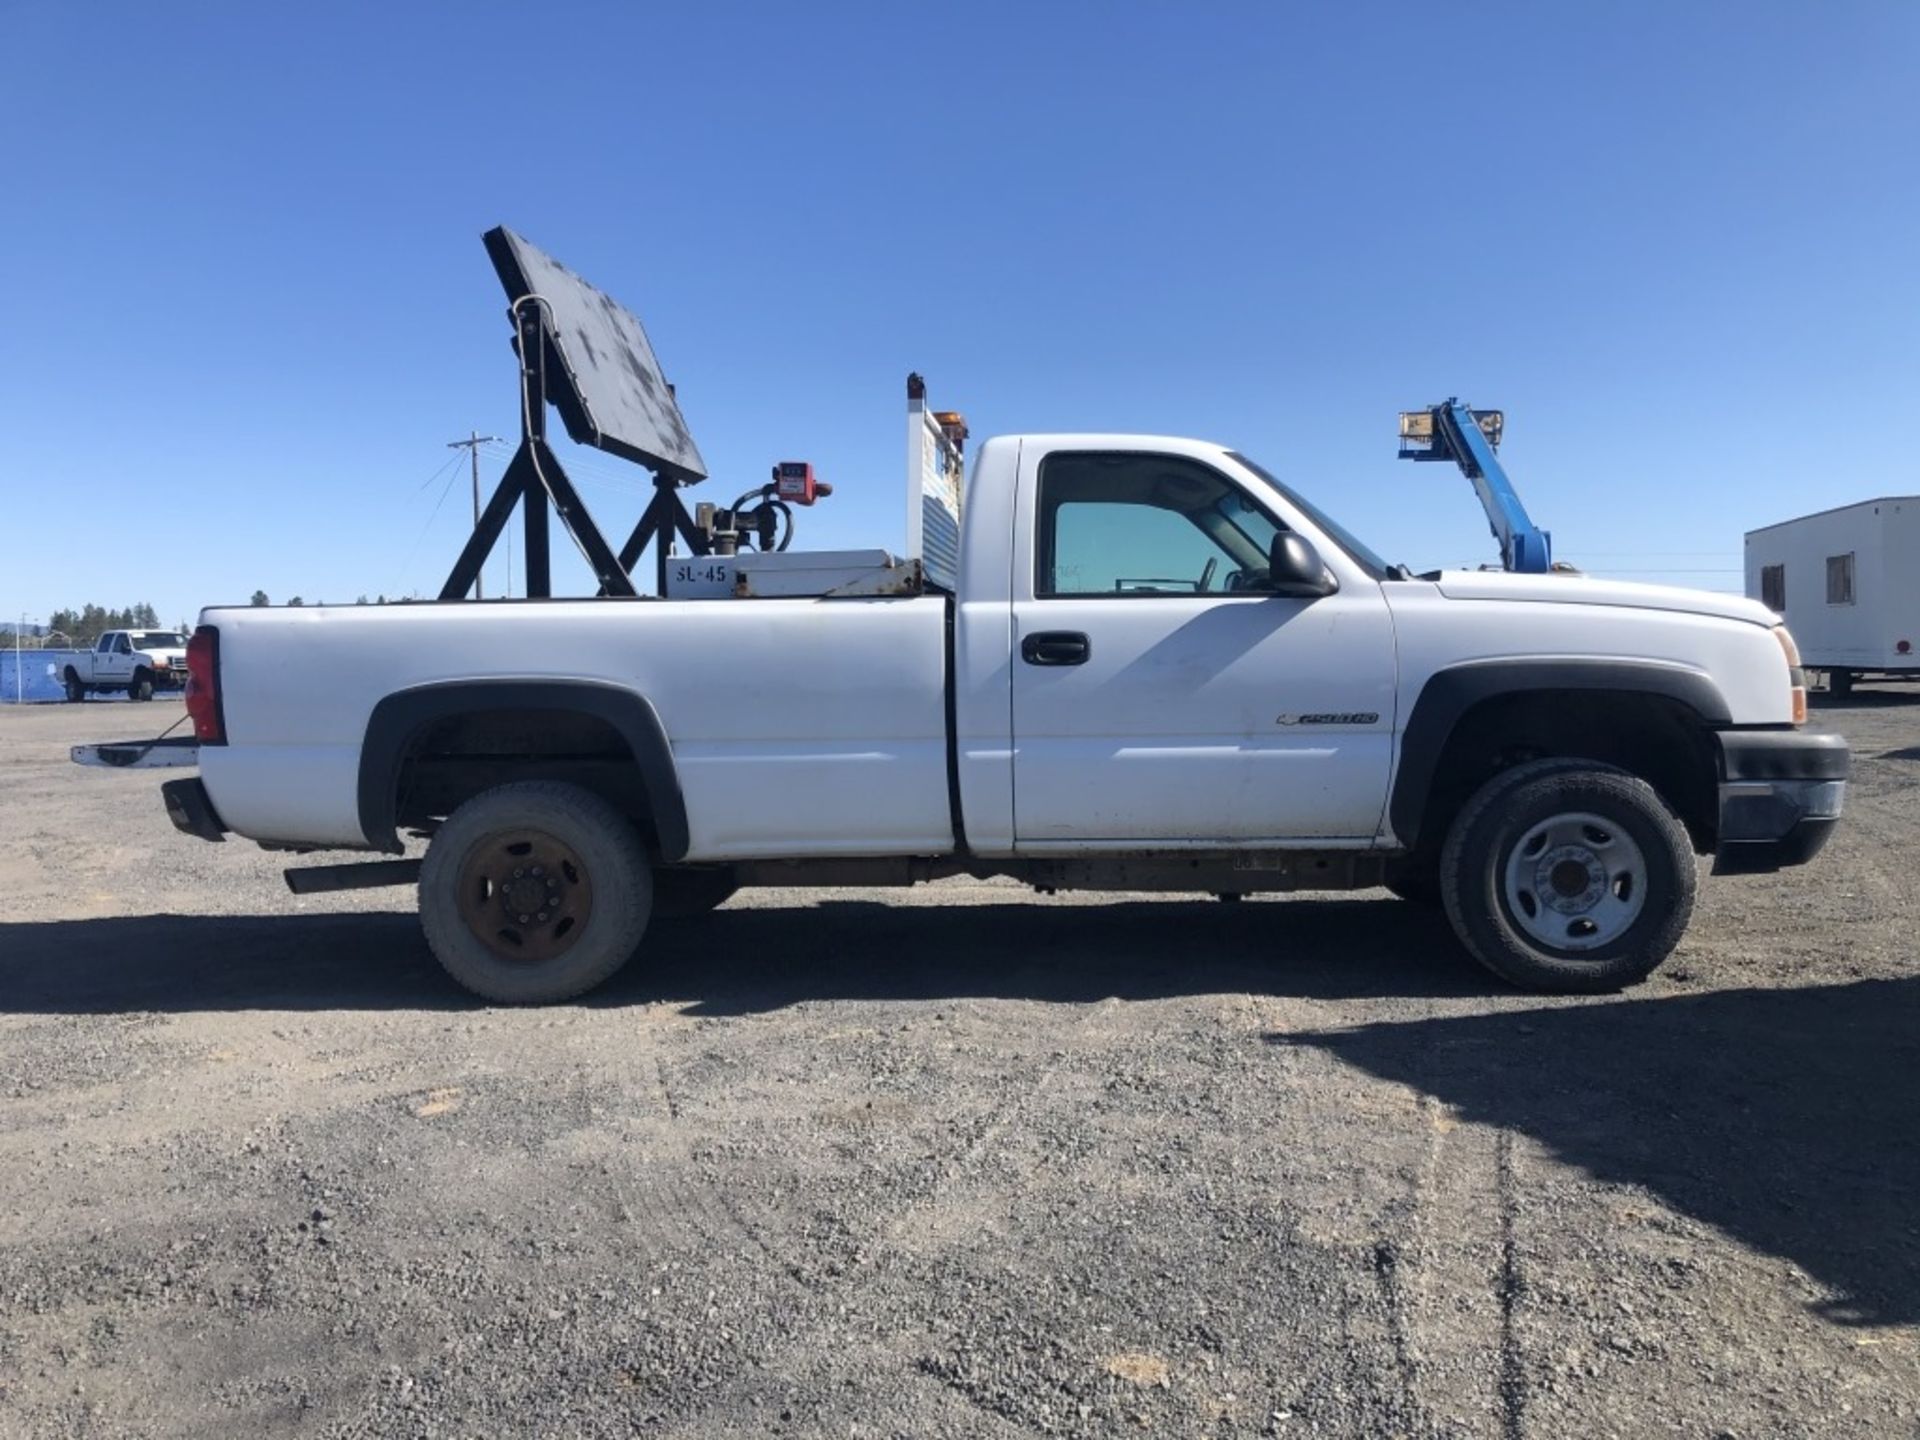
{"type": "Point", "coordinates": [1206, 575]}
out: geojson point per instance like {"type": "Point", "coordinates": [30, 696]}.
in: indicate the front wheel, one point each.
{"type": "Point", "coordinates": [1568, 876]}
{"type": "Point", "coordinates": [535, 892]}
{"type": "Point", "coordinates": [141, 687]}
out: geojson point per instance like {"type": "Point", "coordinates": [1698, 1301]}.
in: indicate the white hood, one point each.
{"type": "Point", "coordinates": [1585, 590]}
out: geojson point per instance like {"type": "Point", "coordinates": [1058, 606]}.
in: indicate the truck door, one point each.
{"type": "Point", "coordinates": [1158, 694]}
{"type": "Point", "coordinates": [107, 664]}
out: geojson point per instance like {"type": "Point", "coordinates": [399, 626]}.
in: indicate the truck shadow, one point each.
{"type": "Point", "coordinates": [1786, 1118]}
{"type": "Point", "coordinates": [755, 959]}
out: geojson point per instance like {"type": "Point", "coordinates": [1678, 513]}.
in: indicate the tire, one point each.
{"type": "Point", "coordinates": [1414, 882]}
{"type": "Point", "coordinates": [141, 686]}
{"type": "Point", "coordinates": [684, 893]}
{"type": "Point", "coordinates": [76, 687]}
{"type": "Point", "coordinates": [1513, 904]}
{"type": "Point", "coordinates": [581, 858]}
{"type": "Point", "coordinates": [1840, 682]}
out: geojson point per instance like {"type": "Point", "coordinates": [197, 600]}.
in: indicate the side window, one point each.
{"type": "Point", "coordinates": [1840, 579]}
{"type": "Point", "coordinates": [122, 645]}
{"type": "Point", "coordinates": [104, 644]}
{"type": "Point", "coordinates": [1773, 587]}
{"type": "Point", "coordinates": [1123, 525]}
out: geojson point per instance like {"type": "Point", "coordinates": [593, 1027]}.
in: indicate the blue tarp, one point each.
{"type": "Point", "coordinates": [38, 678]}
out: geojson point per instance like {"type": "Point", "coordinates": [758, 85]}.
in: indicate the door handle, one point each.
{"type": "Point", "coordinates": [1056, 647]}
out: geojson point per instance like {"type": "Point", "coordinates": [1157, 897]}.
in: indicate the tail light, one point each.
{"type": "Point", "coordinates": [203, 686]}
{"type": "Point", "coordinates": [1796, 677]}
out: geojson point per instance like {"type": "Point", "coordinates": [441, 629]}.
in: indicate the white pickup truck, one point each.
{"type": "Point", "coordinates": [1159, 668]}
{"type": "Point", "coordinates": [136, 662]}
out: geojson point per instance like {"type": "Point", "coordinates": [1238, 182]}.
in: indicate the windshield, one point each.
{"type": "Point", "coordinates": [1339, 533]}
{"type": "Point", "coordinates": [157, 640]}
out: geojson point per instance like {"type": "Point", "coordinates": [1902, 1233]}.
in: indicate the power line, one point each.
{"type": "Point", "coordinates": [438, 471]}
{"type": "Point", "coordinates": [452, 467]}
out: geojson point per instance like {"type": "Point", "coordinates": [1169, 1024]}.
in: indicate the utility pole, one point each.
{"type": "Point", "coordinates": [472, 445]}
{"type": "Point", "coordinates": [19, 676]}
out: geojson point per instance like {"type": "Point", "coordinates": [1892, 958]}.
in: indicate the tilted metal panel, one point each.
{"type": "Point", "coordinates": [607, 384]}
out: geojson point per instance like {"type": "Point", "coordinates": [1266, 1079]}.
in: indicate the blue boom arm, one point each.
{"type": "Point", "coordinates": [1453, 432]}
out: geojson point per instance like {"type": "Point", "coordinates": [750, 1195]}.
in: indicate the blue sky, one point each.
{"type": "Point", "coordinates": [247, 304]}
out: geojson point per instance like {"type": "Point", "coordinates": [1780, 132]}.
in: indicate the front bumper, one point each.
{"type": "Point", "coordinates": [1781, 793]}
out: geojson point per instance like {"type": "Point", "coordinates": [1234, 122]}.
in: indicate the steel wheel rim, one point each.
{"type": "Point", "coordinates": [1575, 881]}
{"type": "Point", "coordinates": [525, 894]}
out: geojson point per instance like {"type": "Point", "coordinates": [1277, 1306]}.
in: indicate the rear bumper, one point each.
{"type": "Point", "coordinates": [191, 811]}
{"type": "Point", "coordinates": [1781, 794]}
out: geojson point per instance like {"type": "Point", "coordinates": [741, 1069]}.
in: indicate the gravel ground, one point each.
{"type": "Point", "coordinates": [956, 1162]}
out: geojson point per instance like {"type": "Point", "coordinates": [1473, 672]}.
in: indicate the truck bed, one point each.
{"type": "Point", "coordinates": [797, 726]}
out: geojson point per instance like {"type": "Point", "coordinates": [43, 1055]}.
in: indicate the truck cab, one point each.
{"type": "Point", "coordinates": [1134, 620]}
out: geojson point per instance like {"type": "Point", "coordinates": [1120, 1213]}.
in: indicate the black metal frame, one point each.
{"type": "Point", "coordinates": [535, 474]}
{"type": "Point", "coordinates": [664, 517]}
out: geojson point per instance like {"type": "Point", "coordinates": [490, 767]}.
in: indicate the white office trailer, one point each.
{"type": "Point", "coordinates": [1848, 582]}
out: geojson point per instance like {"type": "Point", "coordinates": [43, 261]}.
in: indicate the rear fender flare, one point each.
{"type": "Point", "coordinates": [399, 721]}
{"type": "Point", "coordinates": [1449, 694]}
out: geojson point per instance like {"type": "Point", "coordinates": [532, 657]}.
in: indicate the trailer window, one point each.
{"type": "Point", "coordinates": [1840, 579]}
{"type": "Point", "coordinates": [1773, 588]}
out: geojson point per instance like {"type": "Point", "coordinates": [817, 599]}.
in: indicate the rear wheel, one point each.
{"type": "Point", "coordinates": [681, 894]}
{"type": "Point", "coordinates": [1840, 682]}
{"type": "Point", "coordinates": [75, 686]}
{"type": "Point", "coordinates": [1568, 875]}
{"type": "Point", "coordinates": [535, 892]}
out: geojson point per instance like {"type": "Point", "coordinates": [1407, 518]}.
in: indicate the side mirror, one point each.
{"type": "Point", "coordinates": [1294, 568]}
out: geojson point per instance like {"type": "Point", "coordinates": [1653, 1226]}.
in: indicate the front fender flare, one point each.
{"type": "Point", "coordinates": [1450, 693]}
